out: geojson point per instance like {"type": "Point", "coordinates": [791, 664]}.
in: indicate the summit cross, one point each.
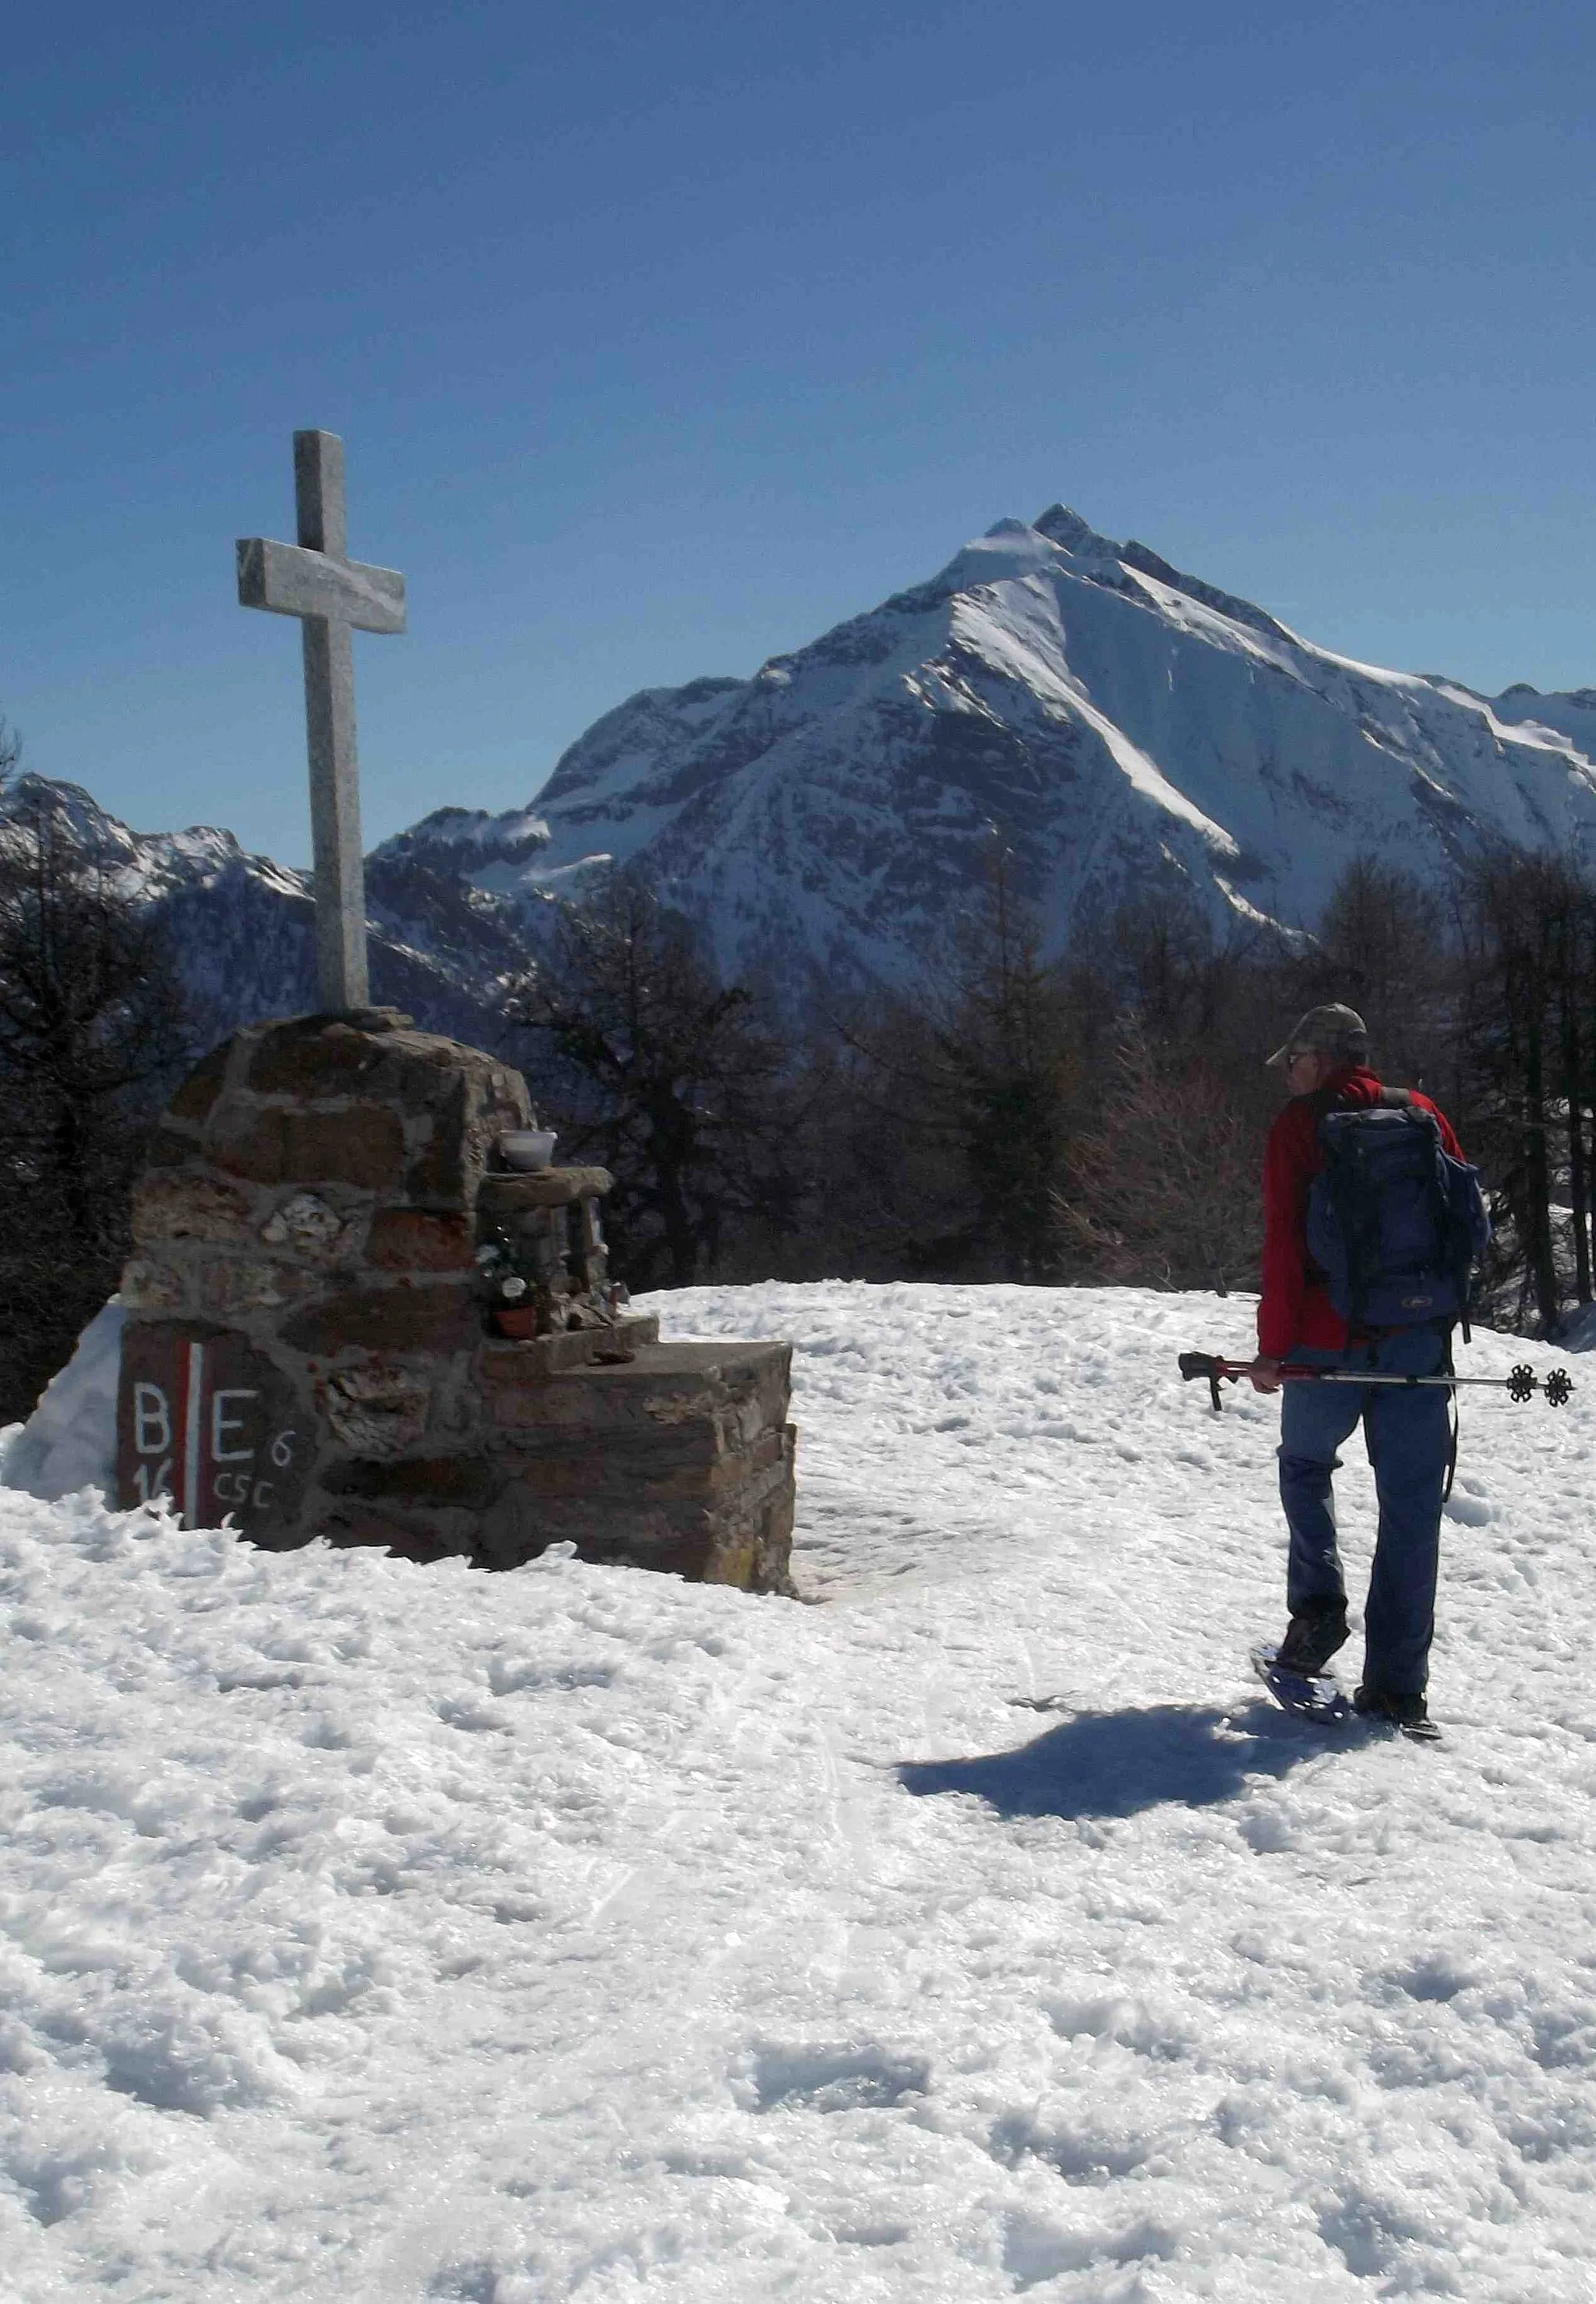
{"type": "Point", "coordinates": [332, 596]}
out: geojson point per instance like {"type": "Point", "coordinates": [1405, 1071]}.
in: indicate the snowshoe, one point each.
{"type": "Point", "coordinates": [1311, 1696]}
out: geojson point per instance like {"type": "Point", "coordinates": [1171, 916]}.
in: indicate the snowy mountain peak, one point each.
{"type": "Point", "coordinates": [1126, 725]}
{"type": "Point", "coordinates": [1007, 550]}
{"type": "Point", "coordinates": [1082, 542]}
{"type": "Point", "coordinates": [1066, 528]}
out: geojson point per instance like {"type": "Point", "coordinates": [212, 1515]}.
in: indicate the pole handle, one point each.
{"type": "Point", "coordinates": [1208, 1364]}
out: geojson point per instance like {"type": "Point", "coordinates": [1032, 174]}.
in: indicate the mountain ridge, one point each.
{"type": "Point", "coordinates": [1119, 723]}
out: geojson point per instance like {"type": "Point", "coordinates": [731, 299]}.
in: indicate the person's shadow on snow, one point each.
{"type": "Point", "coordinates": [1118, 1763]}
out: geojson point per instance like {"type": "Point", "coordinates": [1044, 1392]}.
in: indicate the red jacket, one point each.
{"type": "Point", "coordinates": [1293, 1310]}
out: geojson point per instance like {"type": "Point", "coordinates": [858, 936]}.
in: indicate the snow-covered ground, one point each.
{"type": "Point", "coordinates": [378, 1934]}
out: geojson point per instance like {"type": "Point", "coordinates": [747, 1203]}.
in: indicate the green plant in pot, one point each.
{"type": "Point", "coordinates": [521, 1301]}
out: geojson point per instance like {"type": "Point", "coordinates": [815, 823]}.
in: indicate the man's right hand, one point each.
{"type": "Point", "coordinates": [1265, 1376]}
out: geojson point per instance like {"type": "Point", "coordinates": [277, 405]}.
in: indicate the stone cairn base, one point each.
{"type": "Point", "coordinates": [310, 1345]}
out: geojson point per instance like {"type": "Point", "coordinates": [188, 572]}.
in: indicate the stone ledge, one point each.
{"type": "Point", "coordinates": [738, 1382]}
{"type": "Point", "coordinates": [542, 1188]}
{"type": "Point", "coordinates": [508, 1362]}
{"type": "Point", "coordinates": [666, 1384]}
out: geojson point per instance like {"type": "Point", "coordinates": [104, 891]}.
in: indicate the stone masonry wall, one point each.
{"type": "Point", "coordinates": [308, 1350]}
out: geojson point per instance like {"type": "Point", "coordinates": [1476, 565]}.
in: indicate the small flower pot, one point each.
{"type": "Point", "coordinates": [518, 1320]}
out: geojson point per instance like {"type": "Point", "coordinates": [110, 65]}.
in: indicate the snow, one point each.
{"type": "Point", "coordinates": [380, 1933]}
{"type": "Point", "coordinates": [1007, 550]}
{"type": "Point", "coordinates": [1010, 648]}
{"type": "Point", "coordinates": [468, 827]}
{"type": "Point", "coordinates": [70, 1441]}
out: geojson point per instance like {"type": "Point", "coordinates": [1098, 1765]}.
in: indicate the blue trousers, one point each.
{"type": "Point", "coordinates": [1410, 1442]}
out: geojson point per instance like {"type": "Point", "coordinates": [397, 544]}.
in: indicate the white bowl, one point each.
{"type": "Point", "coordinates": [528, 1148]}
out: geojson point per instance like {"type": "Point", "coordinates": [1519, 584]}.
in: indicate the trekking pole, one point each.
{"type": "Point", "coordinates": [1521, 1382]}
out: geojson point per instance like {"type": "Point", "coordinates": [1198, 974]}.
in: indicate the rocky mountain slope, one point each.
{"type": "Point", "coordinates": [1119, 724]}
{"type": "Point", "coordinates": [242, 924]}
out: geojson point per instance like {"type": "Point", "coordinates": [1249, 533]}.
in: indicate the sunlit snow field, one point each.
{"type": "Point", "coordinates": [377, 1933]}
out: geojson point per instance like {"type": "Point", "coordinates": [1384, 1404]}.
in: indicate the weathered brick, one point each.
{"type": "Point", "coordinates": [170, 1204]}
{"type": "Point", "coordinates": [363, 1145]}
{"type": "Point", "coordinates": [309, 1058]}
{"type": "Point", "coordinates": [200, 1091]}
{"type": "Point", "coordinates": [440, 1317]}
{"type": "Point", "coordinates": [467, 1101]}
{"type": "Point", "coordinates": [418, 1535]}
{"type": "Point", "coordinates": [171, 1145]}
{"type": "Point", "coordinates": [442, 1168]}
{"type": "Point", "coordinates": [421, 1069]}
{"type": "Point", "coordinates": [150, 1285]}
{"type": "Point", "coordinates": [741, 1536]}
{"type": "Point", "coordinates": [375, 1020]}
{"type": "Point", "coordinates": [234, 1287]}
{"type": "Point", "coordinates": [509, 1372]}
{"type": "Point", "coordinates": [470, 1482]}
{"type": "Point", "coordinates": [419, 1240]}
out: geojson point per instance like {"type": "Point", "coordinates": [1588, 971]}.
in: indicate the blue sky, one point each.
{"type": "Point", "coordinates": [662, 337]}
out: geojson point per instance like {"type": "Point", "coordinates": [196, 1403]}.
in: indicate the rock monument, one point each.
{"type": "Point", "coordinates": [315, 1345]}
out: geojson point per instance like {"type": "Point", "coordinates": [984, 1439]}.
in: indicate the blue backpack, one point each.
{"type": "Point", "coordinates": [1395, 1224]}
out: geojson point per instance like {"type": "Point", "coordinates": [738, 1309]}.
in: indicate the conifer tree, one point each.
{"type": "Point", "coordinates": [92, 1032]}
{"type": "Point", "coordinates": [659, 1072]}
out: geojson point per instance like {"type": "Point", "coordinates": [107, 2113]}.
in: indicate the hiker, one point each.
{"type": "Point", "coordinates": [1326, 1068]}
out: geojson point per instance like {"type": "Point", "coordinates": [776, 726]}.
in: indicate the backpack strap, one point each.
{"type": "Point", "coordinates": [1332, 1099]}
{"type": "Point", "coordinates": [1399, 1099]}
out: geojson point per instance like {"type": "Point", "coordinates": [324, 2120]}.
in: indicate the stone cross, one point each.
{"type": "Point", "coordinates": [332, 596]}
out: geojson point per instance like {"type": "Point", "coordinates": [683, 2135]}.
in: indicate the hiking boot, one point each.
{"type": "Point", "coordinates": [1312, 1637]}
{"type": "Point", "coordinates": [1403, 1706]}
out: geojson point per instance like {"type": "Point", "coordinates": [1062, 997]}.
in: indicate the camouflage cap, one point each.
{"type": "Point", "coordinates": [1333, 1031]}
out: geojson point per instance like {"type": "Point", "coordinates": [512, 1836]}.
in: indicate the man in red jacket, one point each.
{"type": "Point", "coordinates": [1325, 1061]}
